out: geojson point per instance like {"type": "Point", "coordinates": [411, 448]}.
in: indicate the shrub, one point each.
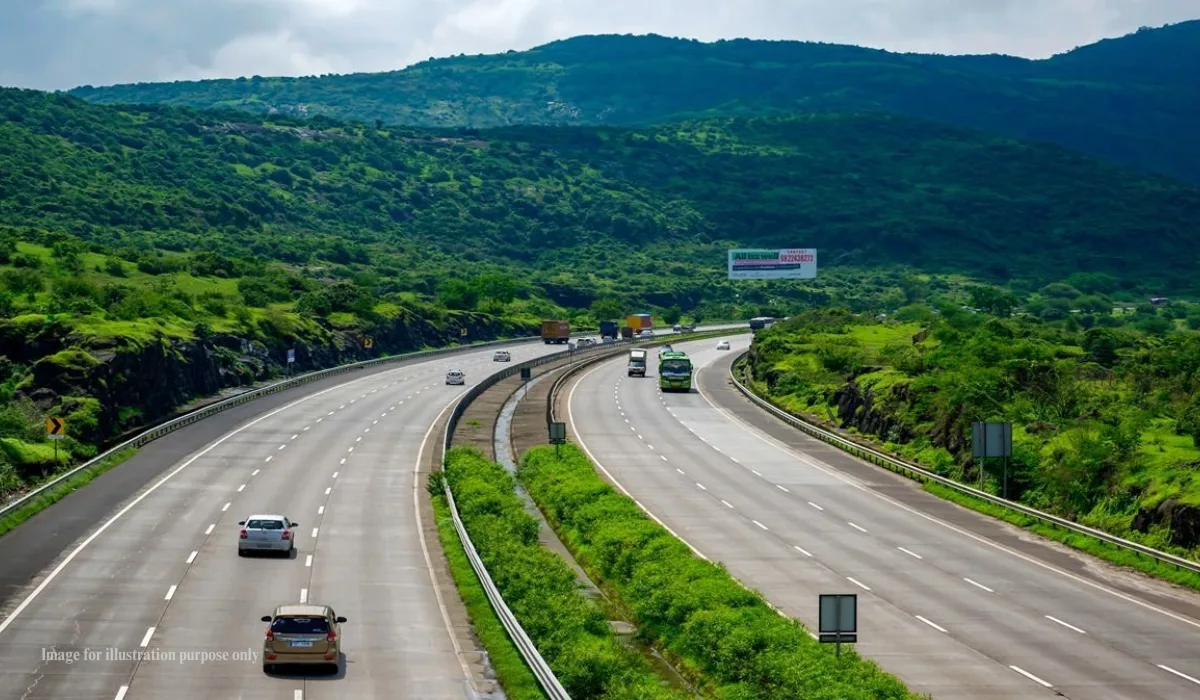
{"type": "Point", "coordinates": [693, 607]}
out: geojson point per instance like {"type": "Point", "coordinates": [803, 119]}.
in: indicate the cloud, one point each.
{"type": "Point", "coordinates": [58, 44]}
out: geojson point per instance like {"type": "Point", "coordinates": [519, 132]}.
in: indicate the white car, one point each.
{"type": "Point", "coordinates": [645, 335]}
{"type": "Point", "coordinates": [586, 342]}
{"type": "Point", "coordinates": [723, 345]}
{"type": "Point", "coordinates": [501, 356]}
{"type": "Point", "coordinates": [266, 533]}
{"type": "Point", "coordinates": [609, 340]}
{"type": "Point", "coordinates": [456, 376]}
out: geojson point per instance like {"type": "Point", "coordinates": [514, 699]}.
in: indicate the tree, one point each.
{"type": "Point", "coordinates": [672, 315]}
{"type": "Point", "coordinates": [607, 308]}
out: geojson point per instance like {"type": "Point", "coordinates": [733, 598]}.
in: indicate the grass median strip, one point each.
{"type": "Point", "coordinates": [691, 607]}
{"type": "Point", "coordinates": [56, 494]}
{"type": "Point", "coordinates": [514, 676]}
{"type": "Point", "coordinates": [569, 629]}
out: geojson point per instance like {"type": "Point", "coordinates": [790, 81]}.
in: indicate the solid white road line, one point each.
{"type": "Point", "coordinates": [978, 585]}
{"type": "Point", "coordinates": [1030, 676]}
{"type": "Point", "coordinates": [170, 593]}
{"type": "Point", "coordinates": [1065, 624]}
{"type": "Point", "coordinates": [147, 636]}
{"type": "Point", "coordinates": [801, 550]}
{"type": "Point", "coordinates": [931, 624]}
{"type": "Point", "coordinates": [1182, 675]}
{"type": "Point", "coordinates": [308, 560]}
{"type": "Point", "coordinates": [192, 557]}
{"type": "Point", "coordinates": [910, 553]}
{"type": "Point", "coordinates": [857, 583]}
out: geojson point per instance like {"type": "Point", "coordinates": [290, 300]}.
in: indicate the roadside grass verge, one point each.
{"type": "Point", "coordinates": [56, 494]}
{"type": "Point", "coordinates": [514, 676]}
{"type": "Point", "coordinates": [691, 607]}
{"type": "Point", "coordinates": [570, 630]}
{"type": "Point", "coordinates": [1089, 545]}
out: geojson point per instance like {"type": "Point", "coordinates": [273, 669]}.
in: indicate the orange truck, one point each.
{"type": "Point", "coordinates": [558, 332]}
{"type": "Point", "coordinates": [639, 322]}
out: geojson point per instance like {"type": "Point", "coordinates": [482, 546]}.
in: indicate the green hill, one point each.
{"type": "Point", "coordinates": [1131, 100]}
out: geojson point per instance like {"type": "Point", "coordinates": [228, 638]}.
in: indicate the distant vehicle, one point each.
{"type": "Point", "coordinates": [723, 345]}
{"type": "Point", "coordinates": [639, 322]}
{"type": "Point", "coordinates": [645, 335]}
{"type": "Point", "coordinates": [664, 349]}
{"type": "Point", "coordinates": [456, 376]}
{"type": "Point", "coordinates": [674, 371]}
{"type": "Point", "coordinates": [501, 356]}
{"type": "Point", "coordinates": [687, 329]}
{"type": "Point", "coordinates": [677, 328]}
{"type": "Point", "coordinates": [302, 634]}
{"type": "Point", "coordinates": [626, 332]}
{"type": "Point", "coordinates": [586, 342]}
{"type": "Point", "coordinates": [609, 340]}
{"type": "Point", "coordinates": [637, 363]}
{"type": "Point", "coordinates": [760, 322]}
{"type": "Point", "coordinates": [608, 329]}
{"type": "Point", "coordinates": [266, 533]}
{"type": "Point", "coordinates": [556, 332]}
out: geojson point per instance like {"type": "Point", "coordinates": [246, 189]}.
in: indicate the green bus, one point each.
{"type": "Point", "coordinates": [674, 371]}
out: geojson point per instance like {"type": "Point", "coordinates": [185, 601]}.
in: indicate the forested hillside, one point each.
{"type": "Point", "coordinates": [1132, 100]}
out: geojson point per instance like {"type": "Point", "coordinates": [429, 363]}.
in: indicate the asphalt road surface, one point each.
{"type": "Point", "coordinates": [163, 578]}
{"type": "Point", "coordinates": [953, 613]}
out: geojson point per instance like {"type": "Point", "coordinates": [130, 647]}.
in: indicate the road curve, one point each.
{"type": "Point", "coordinates": [161, 576]}
{"type": "Point", "coordinates": [952, 613]}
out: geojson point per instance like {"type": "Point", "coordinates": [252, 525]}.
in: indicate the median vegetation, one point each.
{"type": "Point", "coordinates": [569, 630]}
{"type": "Point", "coordinates": [694, 609]}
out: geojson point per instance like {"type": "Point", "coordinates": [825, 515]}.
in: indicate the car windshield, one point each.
{"type": "Point", "coordinates": [300, 625]}
{"type": "Point", "coordinates": [265, 525]}
{"type": "Point", "coordinates": [675, 367]}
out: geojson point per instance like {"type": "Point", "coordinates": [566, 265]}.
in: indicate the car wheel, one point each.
{"type": "Point", "coordinates": [331, 668]}
{"type": "Point", "coordinates": [268, 668]}
{"type": "Point", "coordinates": [241, 552]}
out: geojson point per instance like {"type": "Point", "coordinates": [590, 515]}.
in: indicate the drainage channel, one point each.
{"type": "Point", "coordinates": [623, 629]}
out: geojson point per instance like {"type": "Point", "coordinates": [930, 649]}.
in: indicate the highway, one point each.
{"type": "Point", "coordinates": [953, 613]}
{"type": "Point", "coordinates": [161, 575]}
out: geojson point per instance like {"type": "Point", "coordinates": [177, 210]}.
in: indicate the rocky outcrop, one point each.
{"type": "Point", "coordinates": [143, 381]}
{"type": "Point", "coordinates": [859, 408]}
{"type": "Point", "coordinates": [1182, 521]}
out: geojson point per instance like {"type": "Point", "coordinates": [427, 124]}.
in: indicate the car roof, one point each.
{"type": "Point", "coordinates": [301, 610]}
{"type": "Point", "coordinates": [260, 516]}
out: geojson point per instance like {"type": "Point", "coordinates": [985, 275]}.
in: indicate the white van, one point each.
{"type": "Point", "coordinates": [637, 363]}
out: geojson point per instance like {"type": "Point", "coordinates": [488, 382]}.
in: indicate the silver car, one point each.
{"type": "Point", "coordinates": [501, 356]}
{"type": "Point", "coordinates": [267, 533]}
{"type": "Point", "coordinates": [456, 376]}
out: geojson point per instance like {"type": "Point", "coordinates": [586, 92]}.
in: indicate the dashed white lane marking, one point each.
{"type": "Point", "coordinates": [756, 472]}
{"type": "Point", "coordinates": [270, 458]}
{"type": "Point", "coordinates": [335, 474]}
{"type": "Point", "coordinates": [641, 438]}
{"type": "Point", "coordinates": [315, 530]}
{"type": "Point", "coordinates": [858, 583]}
{"type": "Point", "coordinates": [351, 449]}
{"type": "Point", "coordinates": [208, 530]}
{"type": "Point", "coordinates": [320, 419]}
{"type": "Point", "coordinates": [679, 470]}
{"type": "Point", "coordinates": [320, 510]}
{"type": "Point", "coordinates": [782, 488]}
{"type": "Point", "coordinates": [814, 505]}
{"type": "Point", "coordinates": [367, 430]}
{"type": "Point", "coordinates": [303, 595]}
{"type": "Point", "coordinates": [801, 550]}
{"type": "Point", "coordinates": [192, 557]}
{"type": "Point", "coordinates": [1030, 676]}
{"type": "Point", "coordinates": [934, 625]}
{"type": "Point", "coordinates": [978, 585]}
{"type": "Point", "coordinates": [294, 436]}
{"type": "Point", "coordinates": [701, 486]}
{"type": "Point", "coordinates": [626, 420]}
{"type": "Point", "coordinates": [343, 460]}
{"type": "Point", "coordinates": [331, 413]}
{"type": "Point", "coordinates": [910, 553]}
{"type": "Point", "coordinates": [354, 400]}
{"type": "Point", "coordinates": [358, 439]}
{"type": "Point", "coordinates": [857, 527]}
{"type": "Point", "coordinates": [170, 593]}
{"type": "Point", "coordinates": [241, 488]}
{"type": "Point", "coordinates": [1182, 675]}
{"type": "Point", "coordinates": [282, 446]}
{"type": "Point", "coordinates": [1065, 624]}
{"type": "Point", "coordinates": [633, 428]}
{"type": "Point", "coordinates": [374, 422]}
{"type": "Point", "coordinates": [307, 427]}
{"type": "Point", "coordinates": [328, 490]}
{"type": "Point", "coordinates": [225, 507]}
{"type": "Point", "coordinates": [341, 407]}
{"type": "Point", "coordinates": [147, 636]}
{"type": "Point", "coordinates": [121, 692]}
{"type": "Point", "coordinates": [308, 560]}
{"type": "Point", "coordinates": [764, 527]}
{"type": "Point", "coordinates": [255, 472]}
{"type": "Point", "coordinates": [727, 503]}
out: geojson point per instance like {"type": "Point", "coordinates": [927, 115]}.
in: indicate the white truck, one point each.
{"type": "Point", "coordinates": [637, 363]}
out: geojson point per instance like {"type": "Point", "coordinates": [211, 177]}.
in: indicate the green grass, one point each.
{"type": "Point", "coordinates": [56, 494]}
{"type": "Point", "coordinates": [514, 676]}
{"type": "Point", "coordinates": [1083, 543]}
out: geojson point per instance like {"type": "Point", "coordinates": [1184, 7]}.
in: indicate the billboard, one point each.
{"type": "Point", "coordinates": [786, 264]}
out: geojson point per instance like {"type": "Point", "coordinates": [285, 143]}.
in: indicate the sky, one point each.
{"type": "Point", "coordinates": [59, 44]}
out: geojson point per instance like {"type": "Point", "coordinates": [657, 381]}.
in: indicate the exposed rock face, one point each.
{"type": "Point", "coordinates": [1183, 522]}
{"type": "Point", "coordinates": [138, 383]}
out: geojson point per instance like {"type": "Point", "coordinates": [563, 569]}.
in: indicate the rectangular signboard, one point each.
{"type": "Point", "coordinates": [991, 439]}
{"type": "Point", "coordinates": [838, 618]}
{"type": "Point", "coordinates": [785, 264]}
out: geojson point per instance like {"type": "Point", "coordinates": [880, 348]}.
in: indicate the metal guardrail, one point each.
{"type": "Point", "coordinates": [912, 471]}
{"type": "Point", "coordinates": [189, 418]}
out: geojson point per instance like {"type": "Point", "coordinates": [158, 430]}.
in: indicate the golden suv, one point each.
{"type": "Point", "coordinates": [302, 634]}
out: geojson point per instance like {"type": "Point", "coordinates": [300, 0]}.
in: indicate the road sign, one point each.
{"type": "Point", "coordinates": [558, 433]}
{"type": "Point", "coordinates": [368, 342]}
{"type": "Point", "coordinates": [291, 356]}
{"type": "Point", "coordinates": [56, 429]}
{"type": "Point", "coordinates": [838, 619]}
{"type": "Point", "coordinates": [526, 373]}
{"type": "Point", "coordinates": [991, 439]}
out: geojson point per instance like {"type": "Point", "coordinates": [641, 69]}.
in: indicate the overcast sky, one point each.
{"type": "Point", "coordinates": [53, 44]}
